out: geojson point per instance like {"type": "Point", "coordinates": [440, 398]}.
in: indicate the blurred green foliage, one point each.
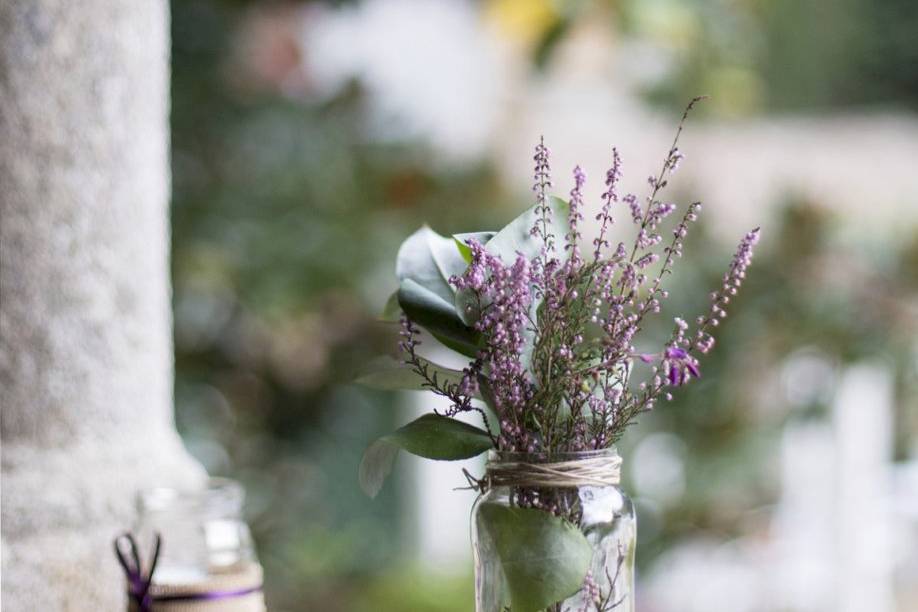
{"type": "Point", "coordinates": [809, 289]}
{"type": "Point", "coordinates": [286, 220]}
{"type": "Point", "coordinates": [782, 55]}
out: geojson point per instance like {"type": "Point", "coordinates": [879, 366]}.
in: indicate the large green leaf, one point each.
{"type": "Point", "coordinates": [516, 238]}
{"type": "Point", "coordinates": [391, 374]}
{"type": "Point", "coordinates": [438, 316]}
{"type": "Point", "coordinates": [544, 558]}
{"type": "Point", "coordinates": [438, 437]}
{"type": "Point", "coordinates": [432, 436]}
{"type": "Point", "coordinates": [430, 259]}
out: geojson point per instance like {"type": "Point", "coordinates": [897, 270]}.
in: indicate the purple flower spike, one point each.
{"type": "Point", "coordinates": [674, 352]}
{"type": "Point", "coordinates": [675, 375]}
{"type": "Point", "coordinates": [679, 365]}
{"type": "Point", "coordinates": [556, 330]}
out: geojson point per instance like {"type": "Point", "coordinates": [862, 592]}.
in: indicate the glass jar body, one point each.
{"type": "Point", "coordinates": [603, 514]}
{"type": "Point", "coordinates": [206, 558]}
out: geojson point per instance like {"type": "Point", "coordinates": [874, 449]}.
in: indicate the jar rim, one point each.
{"type": "Point", "coordinates": [214, 492]}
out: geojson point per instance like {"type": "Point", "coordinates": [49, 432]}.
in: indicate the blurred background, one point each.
{"type": "Point", "coordinates": [310, 138]}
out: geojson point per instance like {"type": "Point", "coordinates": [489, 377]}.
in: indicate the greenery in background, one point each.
{"type": "Point", "coordinates": [548, 333]}
{"type": "Point", "coordinates": [284, 218]}
{"type": "Point", "coordinates": [812, 292]}
{"type": "Point", "coordinates": [781, 55]}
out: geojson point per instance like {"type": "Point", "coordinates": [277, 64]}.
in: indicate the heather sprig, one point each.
{"type": "Point", "coordinates": [552, 337]}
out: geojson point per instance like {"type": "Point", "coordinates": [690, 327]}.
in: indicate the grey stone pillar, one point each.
{"type": "Point", "coordinates": [86, 352]}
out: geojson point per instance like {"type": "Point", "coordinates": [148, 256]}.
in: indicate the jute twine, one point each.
{"type": "Point", "coordinates": [239, 579]}
{"type": "Point", "coordinates": [593, 471]}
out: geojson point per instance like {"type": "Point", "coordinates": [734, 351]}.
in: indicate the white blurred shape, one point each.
{"type": "Point", "coordinates": [658, 468]}
{"type": "Point", "coordinates": [906, 541]}
{"type": "Point", "coordinates": [862, 417]}
{"type": "Point", "coordinates": [428, 65]}
{"type": "Point", "coordinates": [706, 576]}
{"type": "Point", "coordinates": [441, 516]}
{"type": "Point", "coordinates": [808, 377]}
{"type": "Point", "coordinates": [443, 513]}
{"type": "Point", "coordinates": [803, 526]}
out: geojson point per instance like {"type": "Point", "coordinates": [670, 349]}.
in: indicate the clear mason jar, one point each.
{"type": "Point", "coordinates": [207, 558]}
{"type": "Point", "coordinates": [603, 514]}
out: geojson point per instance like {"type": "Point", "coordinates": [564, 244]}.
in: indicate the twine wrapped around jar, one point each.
{"type": "Point", "coordinates": [601, 470]}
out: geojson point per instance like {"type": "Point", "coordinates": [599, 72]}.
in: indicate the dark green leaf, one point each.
{"type": "Point", "coordinates": [437, 316]}
{"type": "Point", "coordinates": [544, 558]}
{"type": "Point", "coordinates": [439, 437]}
{"type": "Point", "coordinates": [432, 436]}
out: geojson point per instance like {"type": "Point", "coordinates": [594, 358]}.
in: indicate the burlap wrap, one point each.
{"type": "Point", "coordinates": [243, 577]}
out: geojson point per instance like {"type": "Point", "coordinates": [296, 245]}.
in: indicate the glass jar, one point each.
{"type": "Point", "coordinates": [206, 558]}
{"type": "Point", "coordinates": [602, 513]}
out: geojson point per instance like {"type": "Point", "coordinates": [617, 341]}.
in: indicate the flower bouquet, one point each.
{"type": "Point", "coordinates": [555, 374]}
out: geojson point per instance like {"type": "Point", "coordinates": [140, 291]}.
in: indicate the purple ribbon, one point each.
{"type": "Point", "coordinates": [129, 557]}
{"type": "Point", "coordinates": [139, 584]}
{"type": "Point", "coordinates": [208, 595]}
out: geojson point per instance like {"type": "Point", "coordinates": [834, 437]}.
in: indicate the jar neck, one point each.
{"type": "Point", "coordinates": [498, 457]}
{"type": "Point", "coordinates": [217, 498]}
{"type": "Point", "coordinates": [554, 470]}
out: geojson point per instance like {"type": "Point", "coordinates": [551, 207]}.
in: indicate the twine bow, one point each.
{"type": "Point", "coordinates": [138, 583]}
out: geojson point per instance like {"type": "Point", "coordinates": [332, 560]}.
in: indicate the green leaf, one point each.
{"type": "Point", "coordinates": [430, 259]}
{"type": "Point", "coordinates": [432, 436]}
{"type": "Point", "coordinates": [392, 310]}
{"type": "Point", "coordinates": [464, 250]}
{"type": "Point", "coordinates": [438, 437]}
{"type": "Point", "coordinates": [439, 317]}
{"type": "Point", "coordinates": [486, 392]}
{"type": "Point", "coordinates": [376, 465]}
{"type": "Point", "coordinates": [544, 558]}
{"type": "Point", "coordinates": [467, 308]}
{"type": "Point", "coordinates": [392, 374]}
{"type": "Point", "coordinates": [515, 237]}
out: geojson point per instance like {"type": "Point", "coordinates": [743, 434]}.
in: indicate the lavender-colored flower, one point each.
{"type": "Point", "coordinates": [575, 216]}
{"type": "Point", "coordinates": [609, 197]}
{"type": "Point", "coordinates": [678, 365]}
{"type": "Point", "coordinates": [732, 281]}
{"type": "Point", "coordinates": [559, 333]}
{"type": "Point", "coordinates": [675, 159]}
{"type": "Point", "coordinates": [542, 178]}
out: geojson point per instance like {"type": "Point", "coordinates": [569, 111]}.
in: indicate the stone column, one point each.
{"type": "Point", "coordinates": [86, 351]}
